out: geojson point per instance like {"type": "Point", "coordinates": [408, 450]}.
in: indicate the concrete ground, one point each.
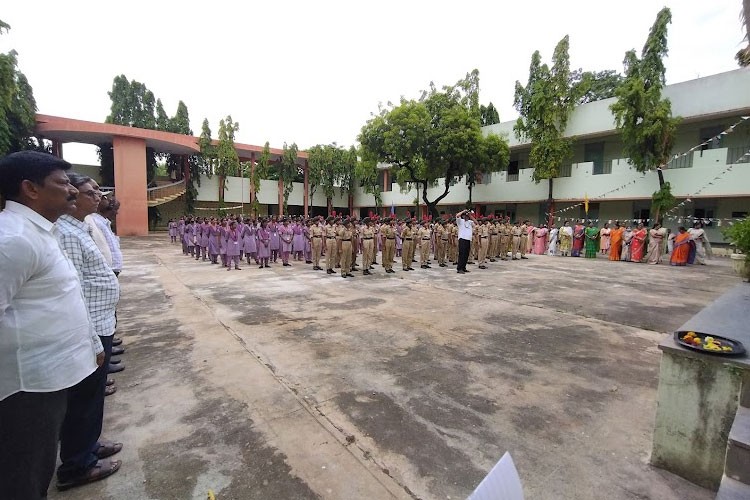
{"type": "Point", "coordinates": [286, 383]}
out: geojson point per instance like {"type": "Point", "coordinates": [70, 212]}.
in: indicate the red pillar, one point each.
{"type": "Point", "coordinates": [130, 185]}
{"type": "Point", "coordinates": [281, 196]}
{"type": "Point", "coordinates": [252, 176]}
{"type": "Point", "coordinates": [57, 149]}
{"type": "Point", "coordinates": [306, 195]}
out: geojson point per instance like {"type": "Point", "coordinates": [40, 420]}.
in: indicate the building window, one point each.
{"type": "Point", "coordinates": [565, 170]}
{"type": "Point", "coordinates": [480, 178]}
{"type": "Point", "coordinates": [711, 136]}
{"type": "Point", "coordinates": [594, 152]}
{"type": "Point", "coordinates": [704, 215]}
{"type": "Point", "coordinates": [513, 168]}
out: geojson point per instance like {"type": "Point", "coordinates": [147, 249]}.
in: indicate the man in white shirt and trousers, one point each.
{"type": "Point", "coordinates": [465, 221]}
{"type": "Point", "coordinates": [47, 343]}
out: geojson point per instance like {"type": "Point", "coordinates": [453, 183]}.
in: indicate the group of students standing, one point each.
{"type": "Point", "coordinates": [231, 241]}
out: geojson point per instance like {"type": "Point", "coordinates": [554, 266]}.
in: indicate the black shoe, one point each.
{"type": "Point", "coordinates": [329, 271]}
{"type": "Point", "coordinates": [370, 267]}
{"type": "Point", "coordinates": [390, 271]}
{"type": "Point", "coordinates": [443, 265]}
{"type": "Point", "coordinates": [466, 271]}
{"type": "Point", "coordinates": [524, 257]}
{"type": "Point", "coordinates": [493, 260]}
{"type": "Point", "coordinates": [344, 275]}
{"type": "Point", "coordinates": [116, 342]}
{"type": "Point", "coordinates": [482, 267]}
{"type": "Point", "coordinates": [406, 269]}
{"type": "Point", "coordinates": [115, 368]}
{"type": "Point", "coordinates": [365, 272]}
{"type": "Point", "coordinates": [286, 264]}
{"type": "Point", "coordinates": [423, 267]}
{"type": "Point", "coordinates": [115, 361]}
{"type": "Point", "coordinates": [338, 267]}
{"type": "Point", "coordinates": [374, 262]}
{"type": "Point", "coordinates": [116, 351]}
{"type": "Point", "coordinates": [110, 382]}
{"type": "Point", "coordinates": [349, 275]}
{"type": "Point", "coordinates": [460, 271]}
{"type": "Point", "coordinates": [308, 262]}
{"type": "Point", "coordinates": [260, 266]}
{"type": "Point", "coordinates": [428, 266]}
{"type": "Point", "coordinates": [470, 262]}
{"type": "Point", "coordinates": [411, 269]}
{"type": "Point", "coordinates": [266, 265]}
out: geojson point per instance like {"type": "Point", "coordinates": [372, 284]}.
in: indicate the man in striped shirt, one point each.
{"type": "Point", "coordinates": [82, 453]}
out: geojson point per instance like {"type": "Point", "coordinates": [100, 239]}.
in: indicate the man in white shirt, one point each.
{"type": "Point", "coordinates": [465, 221]}
{"type": "Point", "coordinates": [47, 343]}
{"type": "Point", "coordinates": [82, 453]}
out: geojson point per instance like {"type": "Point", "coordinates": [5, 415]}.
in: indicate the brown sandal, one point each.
{"type": "Point", "coordinates": [107, 449]}
{"type": "Point", "coordinates": [102, 469]}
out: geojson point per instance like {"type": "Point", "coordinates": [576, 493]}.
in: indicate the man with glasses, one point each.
{"type": "Point", "coordinates": [82, 453]}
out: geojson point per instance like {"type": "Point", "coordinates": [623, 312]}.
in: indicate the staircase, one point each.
{"type": "Point", "coordinates": [163, 194]}
{"type": "Point", "coordinates": [735, 485]}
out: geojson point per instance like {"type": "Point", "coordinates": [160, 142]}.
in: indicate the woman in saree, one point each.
{"type": "Point", "coordinates": [540, 240]}
{"type": "Point", "coordinates": [578, 236]}
{"type": "Point", "coordinates": [702, 248]}
{"type": "Point", "coordinates": [656, 237]}
{"type": "Point", "coordinates": [681, 248]}
{"type": "Point", "coordinates": [638, 244]}
{"type": "Point", "coordinates": [604, 238]}
{"type": "Point", "coordinates": [591, 235]}
{"type": "Point", "coordinates": [553, 232]}
{"type": "Point", "coordinates": [566, 239]}
{"type": "Point", "coordinates": [615, 242]}
{"type": "Point", "coordinates": [627, 239]}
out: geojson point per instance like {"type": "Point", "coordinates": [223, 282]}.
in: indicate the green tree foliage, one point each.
{"type": "Point", "coordinates": [259, 171]}
{"type": "Point", "coordinates": [369, 175]}
{"type": "Point", "coordinates": [180, 122]}
{"type": "Point", "coordinates": [435, 139]}
{"type": "Point", "coordinates": [545, 105]}
{"type": "Point", "coordinates": [489, 115]}
{"type": "Point", "coordinates": [288, 170]}
{"type": "Point", "coordinates": [592, 86]}
{"type": "Point", "coordinates": [162, 120]}
{"type": "Point", "coordinates": [324, 165]}
{"type": "Point", "coordinates": [643, 117]}
{"type": "Point", "coordinates": [743, 55]}
{"type": "Point", "coordinates": [227, 163]}
{"type": "Point", "coordinates": [17, 105]}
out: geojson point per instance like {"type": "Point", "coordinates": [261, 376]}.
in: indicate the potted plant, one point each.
{"type": "Point", "coordinates": [738, 235]}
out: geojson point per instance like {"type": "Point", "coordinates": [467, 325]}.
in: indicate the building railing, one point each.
{"type": "Point", "coordinates": [566, 170]}
{"type": "Point", "coordinates": [511, 177]}
{"type": "Point", "coordinates": [175, 188]}
{"type": "Point", "coordinates": [734, 154]}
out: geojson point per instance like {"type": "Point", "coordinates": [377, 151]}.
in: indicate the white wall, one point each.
{"type": "Point", "coordinates": [238, 191]}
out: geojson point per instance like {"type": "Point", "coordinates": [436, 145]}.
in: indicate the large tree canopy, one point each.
{"type": "Point", "coordinates": [17, 105]}
{"type": "Point", "coordinates": [434, 139]}
{"type": "Point", "coordinates": [590, 86]}
{"type": "Point", "coordinates": [643, 117]}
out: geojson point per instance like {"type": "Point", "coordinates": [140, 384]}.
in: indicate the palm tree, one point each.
{"type": "Point", "coordinates": [743, 56]}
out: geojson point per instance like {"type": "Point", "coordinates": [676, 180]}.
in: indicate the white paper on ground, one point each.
{"type": "Point", "coordinates": [502, 483]}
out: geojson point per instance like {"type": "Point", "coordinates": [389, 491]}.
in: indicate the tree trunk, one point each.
{"type": "Point", "coordinates": [329, 204]}
{"type": "Point", "coordinates": [222, 180]}
{"type": "Point", "coordinates": [471, 188]}
{"type": "Point", "coordinates": [657, 216]}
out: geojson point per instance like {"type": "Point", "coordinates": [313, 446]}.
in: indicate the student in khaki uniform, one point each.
{"type": "Point", "coordinates": [388, 233]}
{"type": "Point", "coordinates": [494, 251]}
{"type": "Point", "coordinates": [406, 246]}
{"type": "Point", "coordinates": [505, 233]}
{"type": "Point", "coordinates": [441, 242]}
{"type": "Point", "coordinates": [316, 241]}
{"type": "Point", "coordinates": [329, 230]}
{"type": "Point", "coordinates": [355, 244]}
{"type": "Point", "coordinates": [452, 231]}
{"type": "Point", "coordinates": [474, 249]}
{"type": "Point", "coordinates": [344, 238]}
{"type": "Point", "coordinates": [483, 232]}
{"type": "Point", "coordinates": [424, 236]}
{"type": "Point", "coordinates": [516, 239]}
{"type": "Point", "coordinates": [524, 239]}
{"type": "Point", "coordinates": [338, 226]}
{"type": "Point", "coordinates": [368, 246]}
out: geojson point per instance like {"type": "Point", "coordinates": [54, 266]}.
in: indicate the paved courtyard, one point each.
{"type": "Point", "coordinates": [286, 383]}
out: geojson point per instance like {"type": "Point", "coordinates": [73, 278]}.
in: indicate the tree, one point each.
{"type": "Point", "coordinates": [162, 120]}
{"type": "Point", "coordinates": [323, 169]}
{"type": "Point", "coordinates": [743, 56]}
{"type": "Point", "coordinates": [489, 115]}
{"type": "Point", "coordinates": [643, 117]}
{"type": "Point", "coordinates": [180, 122]}
{"type": "Point", "coordinates": [435, 139]}
{"type": "Point", "coordinates": [257, 172]}
{"type": "Point", "coordinates": [17, 105]}
{"type": "Point", "coordinates": [592, 86]}
{"type": "Point", "coordinates": [288, 170]}
{"type": "Point", "coordinates": [545, 105]}
{"type": "Point", "coordinates": [227, 162]}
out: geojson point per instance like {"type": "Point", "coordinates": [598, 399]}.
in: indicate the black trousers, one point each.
{"type": "Point", "coordinates": [79, 436]}
{"type": "Point", "coordinates": [29, 430]}
{"type": "Point", "coordinates": [463, 254]}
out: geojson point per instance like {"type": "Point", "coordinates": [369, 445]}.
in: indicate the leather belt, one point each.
{"type": "Point", "coordinates": [317, 236]}
{"type": "Point", "coordinates": [331, 237]}
{"type": "Point", "coordinates": [387, 238]}
{"type": "Point", "coordinates": [484, 236]}
{"type": "Point", "coordinates": [406, 238]}
{"type": "Point", "coordinates": [427, 239]}
{"type": "Point", "coordinates": [367, 238]}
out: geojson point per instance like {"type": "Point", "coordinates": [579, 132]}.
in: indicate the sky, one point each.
{"type": "Point", "coordinates": [313, 72]}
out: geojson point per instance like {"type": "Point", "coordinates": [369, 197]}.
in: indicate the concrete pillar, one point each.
{"type": "Point", "coordinates": [306, 195]}
{"type": "Point", "coordinates": [281, 196]}
{"type": "Point", "coordinates": [57, 149]}
{"type": "Point", "coordinates": [130, 185]}
{"type": "Point", "coordinates": [252, 176]}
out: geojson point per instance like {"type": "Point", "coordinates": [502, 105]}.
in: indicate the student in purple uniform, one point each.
{"type": "Point", "coordinates": [249, 240]}
{"type": "Point", "coordinates": [273, 228]}
{"type": "Point", "coordinates": [189, 237]}
{"type": "Point", "coordinates": [264, 244]}
{"type": "Point", "coordinates": [213, 241]}
{"type": "Point", "coordinates": [172, 225]}
{"type": "Point", "coordinates": [286, 234]}
{"type": "Point", "coordinates": [298, 244]}
{"type": "Point", "coordinates": [181, 233]}
{"type": "Point", "coordinates": [223, 230]}
{"type": "Point", "coordinates": [234, 241]}
{"type": "Point", "coordinates": [205, 238]}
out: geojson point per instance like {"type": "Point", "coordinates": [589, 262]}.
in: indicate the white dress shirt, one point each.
{"type": "Point", "coordinates": [100, 286]}
{"type": "Point", "coordinates": [465, 228]}
{"type": "Point", "coordinates": [113, 240]}
{"type": "Point", "coordinates": [99, 239]}
{"type": "Point", "coordinates": [46, 338]}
